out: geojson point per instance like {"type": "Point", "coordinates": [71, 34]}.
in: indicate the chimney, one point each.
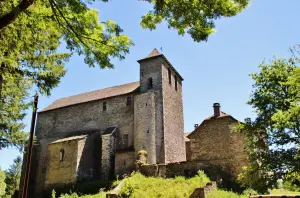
{"type": "Point", "coordinates": [216, 109]}
{"type": "Point", "coordinates": [248, 120]}
{"type": "Point", "coordinates": [196, 126]}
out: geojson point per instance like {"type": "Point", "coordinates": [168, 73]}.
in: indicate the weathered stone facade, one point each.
{"type": "Point", "coordinates": [116, 123]}
{"type": "Point", "coordinates": [216, 142]}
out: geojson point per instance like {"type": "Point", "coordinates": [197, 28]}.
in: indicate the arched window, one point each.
{"type": "Point", "coordinates": [61, 155]}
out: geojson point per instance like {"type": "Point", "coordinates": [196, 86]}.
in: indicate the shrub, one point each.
{"type": "Point", "coordinates": [140, 186]}
{"type": "Point", "coordinates": [225, 194]}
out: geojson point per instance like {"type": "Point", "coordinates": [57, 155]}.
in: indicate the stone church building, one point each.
{"type": "Point", "coordinates": [98, 134]}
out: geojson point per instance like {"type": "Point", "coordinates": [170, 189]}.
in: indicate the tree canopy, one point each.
{"type": "Point", "coordinates": [276, 101]}
{"type": "Point", "coordinates": [13, 175]}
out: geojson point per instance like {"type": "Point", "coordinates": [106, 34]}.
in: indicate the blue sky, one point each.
{"type": "Point", "coordinates": [213, 71]}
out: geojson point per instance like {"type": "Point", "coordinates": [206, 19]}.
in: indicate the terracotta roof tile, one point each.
{"type": "Point", "coordinates": [93, 95]}
{"type": "Point", "coordinates": [212, 117]}
{"type": "Point", "coordinates": [155, 52]}
{"type": "Point", "coordinates": [222, 115]}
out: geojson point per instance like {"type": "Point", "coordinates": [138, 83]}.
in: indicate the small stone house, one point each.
{"type": "Point", "coordinates": [97, 135]}
{"type": "Point", "coordinates": [215, 142]}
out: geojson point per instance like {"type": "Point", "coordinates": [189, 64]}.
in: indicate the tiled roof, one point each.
{"type": "Point", "coordinates": [212, 117]}
{"type": "Point", "coordinates": [93, 95]}
{"type": "Point", "coordinates": [222, 115]}
{"type": "Point", "coordinates": [69, 139]}
{"type": "Point", "coordinates": [155, 52]}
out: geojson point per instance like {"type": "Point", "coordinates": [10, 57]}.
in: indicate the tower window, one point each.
{"type": "Point", "coordinates": [104, 106]}
{"type": "Point", "coordinates": [129, 101]}
{"type": "Point", "coordinates": [170, 76]}
{"type": "Point", "coordinates": [125, 140]}
{"type": "Point", "coordinates": [150, 83]}
{"type": "Point", "coordinates": [61, 155]}
{"type": "Point", "coordinates": [176, 83]}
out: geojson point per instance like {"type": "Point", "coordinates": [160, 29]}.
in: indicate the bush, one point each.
{"type": "Point", "coordinates": [292, 181]}
{"type": "Point", "coordinates": [225, 194]}
{"type": "Point", "coordinates": [140, 186]}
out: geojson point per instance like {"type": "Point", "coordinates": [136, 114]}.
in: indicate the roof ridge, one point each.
{"type": "Point", "coordinates": [97, 90]}
{"type": "Point", "coordinates": [93, 95]}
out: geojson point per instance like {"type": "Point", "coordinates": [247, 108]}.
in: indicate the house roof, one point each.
{"type": "Point", "coordinates": [79, 137]}
{"type": "Point", "coordinates": [93, 95]}
{"type": "Point", "coordinates": [156, 53]}
{"type": "Point", "coordinates": [212, 117]}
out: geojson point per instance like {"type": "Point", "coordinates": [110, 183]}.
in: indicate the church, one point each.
{"type": "Point", "coordinates": [97, 135]}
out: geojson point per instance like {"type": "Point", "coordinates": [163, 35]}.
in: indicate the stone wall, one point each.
{"type": "Point", "coordinates": [125, 163]}
{"type": "Point", "coordinates": [107, 157]}
{"type": "Point", "coordinates": [78, 119]}
{"type": "Point", "coordinates": [203, 192]}
{"type": "Point", "coordinates": [216, 142]}
{"type": "Point", "coordinates": [144, 124]}
{"type": "Point", "coordinates": [173, 117]}
{"type": "Point", "coordinates": [89, 157]}
{"type": "Point", "coordinates": [171, 170]}
{"type": "Point", "coordinates": [152, 68]}
{"type": "Point", "coordinates": [169, 140]}
{"type": "Point", "coordinates": [63, 171]}
{"type": "Point", "coordinates": [188, 150]}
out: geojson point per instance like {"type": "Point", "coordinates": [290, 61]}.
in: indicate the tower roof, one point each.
{"type": "Point", "coordinates": [155, 53]}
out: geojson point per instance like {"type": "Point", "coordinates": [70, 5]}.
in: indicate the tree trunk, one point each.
{"type": "Point", "coordinates": [8, 18]}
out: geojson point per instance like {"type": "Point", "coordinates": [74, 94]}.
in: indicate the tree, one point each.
{"type": "Point", "coordinates": [13, 175]}
{"type": "Point", "coordinates": [32, 30]}
{"type": "Point", "coordinates": [2, 183]}
{"type": "Point", "coordinates": [276, 101]}
{"type": "Point", "coordinates": [195, 17]}
{"type": "Point", "coordinates": [29, 58]}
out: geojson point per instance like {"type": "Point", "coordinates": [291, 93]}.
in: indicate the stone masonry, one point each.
{"type": "Point", "coordinates": [115, 124]}
{"type": "Point", "coordinates": [215, 141]}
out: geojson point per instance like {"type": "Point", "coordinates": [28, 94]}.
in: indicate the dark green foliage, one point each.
{"type": "Point", "coordinates": [29, 58]}
{"type": "Point", "coordinates": [2, 183]}
{"type": "Point", "coordinates": [274, 137]}
{"type": "Point", "coordinates": [195, 17]}
{"type": "Point", "coordinates": [223, 178]}
{"type": "Point", "coordinates": [81, 188]}
{"type": "Point", "coordinates": [13, 175]}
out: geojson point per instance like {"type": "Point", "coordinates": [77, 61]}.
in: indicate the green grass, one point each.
{"type": "Point", "coordinates": [225, 194]}
{"type": "Point", "coordinates": [138, 186]}
{"type": "Point", "coordinates": [283, 191]}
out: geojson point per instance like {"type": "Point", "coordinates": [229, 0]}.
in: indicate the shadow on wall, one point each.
{"type": "Point", "coordinates": [90, 159]}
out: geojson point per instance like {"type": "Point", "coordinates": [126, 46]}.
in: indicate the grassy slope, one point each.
{"type": "Point", "coordinates": [148, 187]}
{"type": "Point", "coordinates": [137, 186]}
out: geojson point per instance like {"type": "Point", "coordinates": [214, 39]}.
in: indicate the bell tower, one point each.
{"type": "Point", "coordinates": [158, 124]}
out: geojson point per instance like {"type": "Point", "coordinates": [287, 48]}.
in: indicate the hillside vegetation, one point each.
{"type": "Point", "coordinates": [137, 186]}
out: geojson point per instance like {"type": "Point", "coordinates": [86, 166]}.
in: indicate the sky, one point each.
{"type": "Point", "coordinates": [213, 71]}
